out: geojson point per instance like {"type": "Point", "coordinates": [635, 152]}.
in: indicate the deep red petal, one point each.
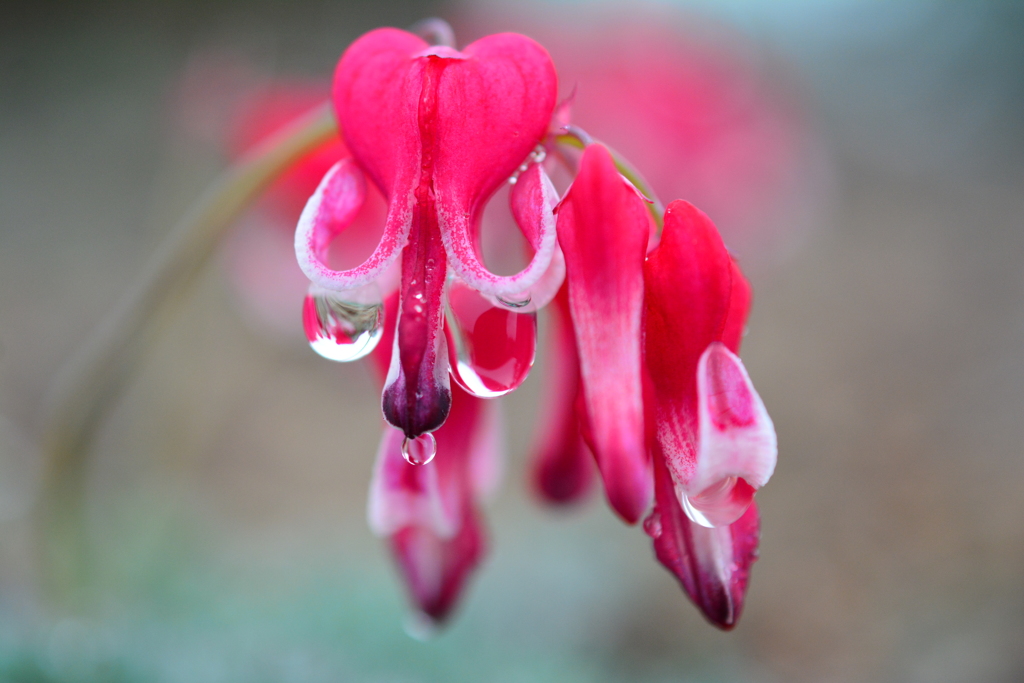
{"type": "Point", "coordinates": [417, 392]}
{"type": "Point", "coordinates": [740, 298]}
{"type": "Point", "coordinates": [603, 228]}
{"type": "Point", "coordinates": [713, 565]}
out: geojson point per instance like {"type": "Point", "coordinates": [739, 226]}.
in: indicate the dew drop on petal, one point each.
{"type": "Point", "coordinates": [343, 326]}
{"type": "Point", "coordinates": [652, 525]}
{"type": "Point", "coordinates": [515, 303]}
{"type": "Point", "coordinates": [492, 348]}
{"type": "Point", "coordinates": [419, 451]}
{"type": "Point", "coordinates": [718, 505]}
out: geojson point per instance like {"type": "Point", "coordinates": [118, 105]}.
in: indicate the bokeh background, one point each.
{"type": "Point", "coordinates": [880, 221]}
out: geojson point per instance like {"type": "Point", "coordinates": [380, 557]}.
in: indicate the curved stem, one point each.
{"type": "Point", "coordinates": [92, 378]}
{"type": "Point", "coordinates": [578, 138]}
{"type": "Point", "coordinates": [435, 31]}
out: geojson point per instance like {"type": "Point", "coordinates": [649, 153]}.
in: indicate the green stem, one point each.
{"type": "Point", "coordinates": [577, 138]}
{"type": "Point", "coordinates": [91, 380]}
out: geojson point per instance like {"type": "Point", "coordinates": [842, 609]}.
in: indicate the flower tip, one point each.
{"type": "Point", "coordinates": [421, 626]}
{"type": "Point", "coordinates": [564, 480]}
{"type": "Point", "coordinates": [630, 502]}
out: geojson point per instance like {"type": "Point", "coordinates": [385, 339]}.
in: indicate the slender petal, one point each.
{"type": "Point", "coordinates": [603, 228]}
{"type": "Point", "coordinates": [712, 564]}
{"type": "Point", "coordinates": [417, 392]}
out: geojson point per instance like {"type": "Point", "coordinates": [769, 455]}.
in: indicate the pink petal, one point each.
{"type": "Point", "coordinates": [712, 564]}
{"type": "Point", "coordinates": [403, 495]}
{"type": "Point", "coordinates": [493, 110]}
{"type": "Point", "coordinates": [331, 209]}
{"type": "Point", "coordinates": [435, 569]}
{"type": "Point", "coordinates": [533, 200]}
{"type": "Point", "coordinates": [737, 438]}
{"type": "Point", "coordinates": [603, 228]}
{"type": "Point", "coordinates": [562, 467]}
{"type": "Point", "coordinates": [458, 122]}
{"type": "Point", "coordinates": [429, 511]}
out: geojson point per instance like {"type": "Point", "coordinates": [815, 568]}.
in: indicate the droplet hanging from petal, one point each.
{"type": "Point", "coordinates": [343, 326]}
{"type": "Point", "coordinates": [419, 451]}
{"type": "Point", "coordinates": [718, 505]}
{"type": "Point", "coordinates": [491, 349]}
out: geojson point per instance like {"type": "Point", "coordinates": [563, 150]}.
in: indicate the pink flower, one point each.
{"type": "Point", "coordinates": [437, 131]}
{"type": "Point", "coordinates": [668, 408]}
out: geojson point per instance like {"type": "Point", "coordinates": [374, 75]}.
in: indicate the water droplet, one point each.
{"type": "Point", "coordinates": [343, 326]}
{"type": "Point", "coordinates": [419, 451]}
{"type": "Point", "coordinates": [515, 304]}
{"type": "Point", "coordinates": [652, 525]}
{"type": "Point", "coordinates": [491, 349]}
{"type": "Point", "coordinates": [718, 505]}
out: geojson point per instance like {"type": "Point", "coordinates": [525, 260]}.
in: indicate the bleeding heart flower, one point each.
{"type": "Point", "coordinates": [438, 131]}
{"type": "Point", "coordinates": [668, 407]}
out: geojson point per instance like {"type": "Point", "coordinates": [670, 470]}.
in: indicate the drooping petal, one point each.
{"type": "Point", "coordinates": [737, 446]}
{"type": "Point", "coordinates": [603, 228]}
{"type": "Point", "coordinates": [688, 280]}
{"type": "Point", "coordinates": [435, 569]}
{"type": "Point", "coordinates": [429, 512]}
{"type": "Point", "coordinates": [533, 200]}
{"type": "Point", "coordinates": [712, 564]}
{"type": "Point", "coordinates": [331, 209]}
{"type": "Point", "coordinates": [562, 470]}
{"type": "Point", "coordinates": [403, 495]}
{"type": "Point", "coordinates": [417, 392]}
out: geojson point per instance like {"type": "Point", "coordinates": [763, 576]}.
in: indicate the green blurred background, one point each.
{"type": "Point", "coordinates": [225, 493]}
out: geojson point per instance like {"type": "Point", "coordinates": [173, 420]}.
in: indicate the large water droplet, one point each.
{"type": "Point", "coordinates": [343, 326]}
{"type": "Point", "coordinates": [491, 349]}
{"type": "Point", "coordinates": [421, 450]}
{"type": "Point", "coordinates": [718, 505]}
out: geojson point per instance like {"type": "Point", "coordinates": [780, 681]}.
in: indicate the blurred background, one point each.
{"type": "Point", "coordinates": [864, 160]}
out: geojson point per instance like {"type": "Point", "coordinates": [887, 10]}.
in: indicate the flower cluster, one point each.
{"type": "Point", "coordinates": [648, 313]}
